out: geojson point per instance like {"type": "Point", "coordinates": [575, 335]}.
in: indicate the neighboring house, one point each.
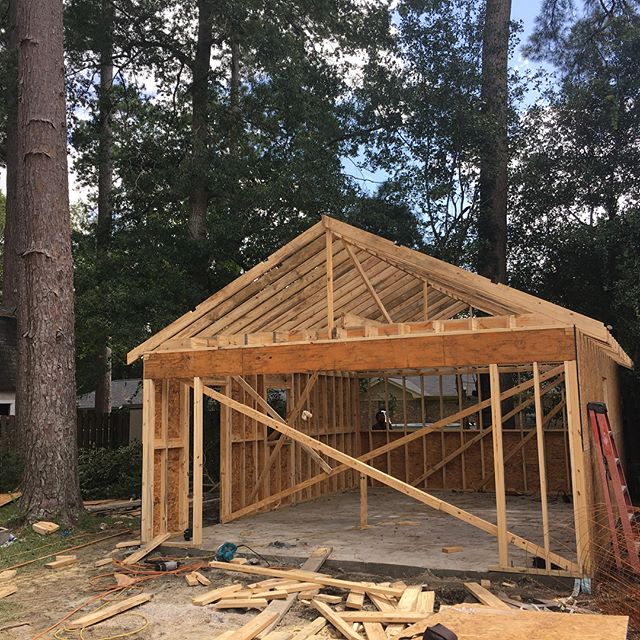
{"type": "Point", "coordinates": [126, 395]}
{"type": "Point", "coordinates": [8, 357]}
{"type": "Point", "coordinates": [403, 400]}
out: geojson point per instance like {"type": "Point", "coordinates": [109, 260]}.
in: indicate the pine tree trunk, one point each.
{"type": "Point", "coordinates": [13, 228]}
{"type": "Point", "coordinates": [199, 197]}
{"type": "Point", "coordinates": [492, 217]}
{"type": "Point", "coordinates": [105, 196]}
{"type": "Point", "coordinates": [46, 391]}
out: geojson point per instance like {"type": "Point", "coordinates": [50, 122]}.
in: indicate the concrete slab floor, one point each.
{"type": "Point", "coordinates": [401, 531]}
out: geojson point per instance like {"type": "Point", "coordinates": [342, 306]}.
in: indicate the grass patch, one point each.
{"type": "Point", "coordinates": [31, 545]}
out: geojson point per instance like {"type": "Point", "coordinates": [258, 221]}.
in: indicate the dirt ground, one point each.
{"type": "Point", "coordinates": [44, 597]}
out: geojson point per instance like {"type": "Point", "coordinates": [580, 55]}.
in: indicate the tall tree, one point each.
{"type": "Point", "coordinates": [105, 191]}
{"type": "Point", "coordinates": [46, 408]}
{"type": "Point", "coordinates": [13, 229]}
{"type": "Point", "coordinates": [492, 213]}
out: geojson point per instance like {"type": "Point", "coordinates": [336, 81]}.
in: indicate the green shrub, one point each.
{"type": "Point", "coordinates": [10, 471]}
{"type": "Point", "coordinates": [111, 473]}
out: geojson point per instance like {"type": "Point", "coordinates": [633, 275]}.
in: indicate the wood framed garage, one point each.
{"type": "Point", "coordinates": [315, 325]}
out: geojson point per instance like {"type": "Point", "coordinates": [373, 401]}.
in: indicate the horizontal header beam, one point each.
{"type": "Point", "coordinates": [367, 354]}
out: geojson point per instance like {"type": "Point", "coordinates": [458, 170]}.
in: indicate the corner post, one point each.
{"type": "Point", "coordinates": [148, 423]}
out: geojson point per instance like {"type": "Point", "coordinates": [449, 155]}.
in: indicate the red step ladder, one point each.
{"type": "Point", "coordinates": [612, 475]}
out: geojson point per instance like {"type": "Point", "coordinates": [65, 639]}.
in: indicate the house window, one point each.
{"type": "Point", "coordinates": [5, 409]}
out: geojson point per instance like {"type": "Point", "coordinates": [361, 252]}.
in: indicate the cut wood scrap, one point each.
{"type": "Point", "coordinates": [408, 602]}
{"type": "Point", "coordinates": [241, 603]}
{"type": "Point", "coordinates": [238, 561]}
{"type": "Point", "coordinates": [311, 629]}
{"type": "Point", "coordinates": [487, 623]}
{"type": "Point", "coordinates": [203, 580]}
{"type": "Point", "coordinates": [308, 576]}
{"type": "Point", "coordinates": [251, 629]}
{"type": "Point", "coordinates": [45, 528]}
{"type": "Point", "coordinates": [355, 600]}
{"type": "Point", "coordinates": [270, 582]}
{"type": "Point", "coordinates": [8, 589]}
{"type": "Point", "coordinates": [191, 580]}
{"type": "Point", "coordinates": [281, 607]}
{"type": "Point", "coordinates": [103, 562]}
{"type": "Point", "coordinates": [484, 596]}
{"type": "Point", "coordinates": [108, 612]}
{"type": "Point", "coordinates": [328, 599]}
{"type": "Point", "coordinates": [5, 576]}
{"type": "Point", "coordinates": [374, 631]}
{"type": "Point", "coordinates": [278, 635]}
{"type": "Point", "coordinates": [128, 543]}
{"type": "Point", "coordinates": [309, 595]}
{"type": "Point", "coordinates": [382, 603]}
{"type": "Point", "coordinates": [123, 580]}
{"type": "Point", "coordinates": [273, 594]}
{"type": "Point", "coordinates": [61, 562]}
{"type": "Point", "coordinates": [485, 583]}
{"type": "Point", "coordinates": [6, 498]}
{"type": "Point", "coordinates": [383, 617]}
{"type": "Point", "coordinates": [426, 602]}
{"type": "Point", "coordinates": [452, 549]}
{"type": "Point", "coordinates": [216, 594]}
{"type": "Point", "coordinates": [148, 548]}
{"type": "Point", "coordinates": [336, 621]}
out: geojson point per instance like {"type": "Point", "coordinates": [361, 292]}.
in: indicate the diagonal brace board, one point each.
{"type": "Point", "coordinates": [410, 437]}
{"type": "Point", "coordinates": [394, 483]}
{"type": "Point", "coordinates": [274, 414]}
{"type": "Point", "coordinates": [367, 282]}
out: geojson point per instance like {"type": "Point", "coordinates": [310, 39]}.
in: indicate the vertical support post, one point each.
{"type": "Point", "coordinates": [225, 458]}
{"type": "Point", "coordinates": [148, 419]}
{"type": "Point", "coordinates": [198, 417]}
{"type": "Point", "coordinates": [541, 464]}
{"type": "Point", "coordinates": [578, 480]}
{"type": "Point", "coordinates": [364, 507]}
{"type": "Point", "coordinates": [329, 250]}
{"type": "Point", "coordinates": [498, 465]}
{"type": "Point", "coordinates": [425, 299]}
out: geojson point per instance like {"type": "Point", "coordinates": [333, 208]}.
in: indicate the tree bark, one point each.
{"type": "Point", "coordinates": [492, 217]}
{"type": "Point", "coordinates": [199, 197]}
{"type": "Point", "coordinates": [46, 387]}
{"type": "Point", "coordinates": [105, 195]}
{"type": "Point", "coordinates": [13, 228]}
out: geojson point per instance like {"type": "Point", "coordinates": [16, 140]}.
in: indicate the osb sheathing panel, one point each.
{"type": "Point", "coordinates": [158, 479]}
{"type": "Point", "coordinates": [329, 402]}
{"type": "Point", "coordinates": [598, 381]}
{"type": "Point", "coordinates": [175, 472]}
{"type": "Point", "coordinates": [174, 425]}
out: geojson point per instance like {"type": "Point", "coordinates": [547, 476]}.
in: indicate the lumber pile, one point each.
{"type": "Point", "coordinates": [386, 611]}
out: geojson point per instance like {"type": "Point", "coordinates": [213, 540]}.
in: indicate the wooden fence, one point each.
{"type": "Point", "coordinates": [93, 431]}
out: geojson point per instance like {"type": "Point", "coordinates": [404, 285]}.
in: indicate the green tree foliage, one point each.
{"type": "Point", "coordinates": [575, 209]}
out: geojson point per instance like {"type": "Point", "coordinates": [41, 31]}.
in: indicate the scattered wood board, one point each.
{"type": "Point", "coordinates": [308, 576]}
{"type": "Point", "coordinates": [336, 621]}
{"type": "Point", "coordinates": [311, 629]}
{"type": "Point", "coordinates": [251, 629]}
{"type": "Point", "coordinates": [8, 590]}
{"type": "Point", "coordinates": [5, 576]}
{"type": "Point", "coordinates": [216, 594]}
{"type": "Point", "coordinates": [313, 563]}
{"type": "Point", "coordinates": [6, 498]}
{"type": "Point", "coordinates": [355, 600]}
{"type": "Point", "coordinates": [148, 548]}
{"type": "Point", "coordinates": [327, 599]}
{"type": "Point", "coordinates": [45, 528]}
{"type": "Point", "coordinates": [108, 612]}
{"type": "Point", "coordinates": [484, 596]}
{"type": "Point", "coordinates": [103, 563]}
{"type": "Point", "coordinates": [384, 617]}
{"type": "Point", "coordinates": [452, 549]}
{"type": "Point", "coordinates": [241, 603]}
{"type": "Point", "coordinates": [374, 631]}
{"type": "Point", "coordinates": [191, 580]}
{"type": "Point", "coordinates": [203, 580]}
{"type": "Point", "coordinates": [278, 635]}
{"type": "Point", "coordinates": [61, 562]}
{"type": "Point", "coordinates": [128, 543]}
{"type": "Point", "coordinates": [486, 623]}
{"type": "Point", "coordinates": [426, 602]}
